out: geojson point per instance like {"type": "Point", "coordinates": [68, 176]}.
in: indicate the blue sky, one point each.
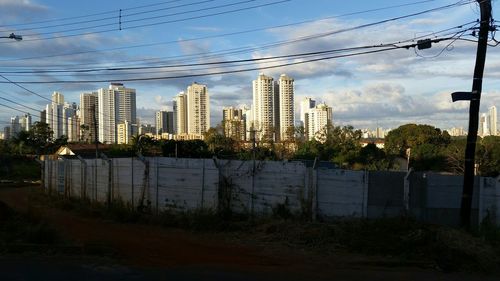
{"type": "Point", "coordinates": [385, 89]}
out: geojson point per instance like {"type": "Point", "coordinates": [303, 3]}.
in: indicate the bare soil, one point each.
{"type": "Point", "coordinates": [155, 247]}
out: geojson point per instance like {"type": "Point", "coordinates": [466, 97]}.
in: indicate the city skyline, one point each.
{"type": "Point", "coordinates": [119, 102]}
{"type": "Point", "coordinates": [368, 91]}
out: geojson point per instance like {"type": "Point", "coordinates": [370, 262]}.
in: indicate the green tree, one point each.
{"type": "Point", "coordinates": [20, 141]}
{"type": "Point", "coordinates": [488, 156]}
{"type": "Point", "coordinates": [410, 136]}
{"type": "Point", "coordinates": [219, 144]}
{"type": "Point", "coordinates": [338, 144]}
{"type": "Point", "coordinates": [427, 145]}
{"type": "Point", "coordinates": [40, 138]}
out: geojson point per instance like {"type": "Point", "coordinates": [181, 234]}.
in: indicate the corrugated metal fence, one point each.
{"type": "Point", "coordinates": [260, 187]}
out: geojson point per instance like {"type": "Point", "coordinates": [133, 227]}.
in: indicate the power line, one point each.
{"type": "Point", "coordinates": [107, 18]}
{"type": "Point", "coordinates": [211, 36]}
{"type": "Point", "coordinates": [88, 15]}
{"type": "Point", "coordinates": [281, 43]}
{"type": "Point", "coordinates": [223, 72]}
{"type": "Point", "coordinates": [18, 103]}
{"type": "Point", "coordinates": [213, 63]}
{"type": "Point", "coordinates": [158, 23]}
{"type": "Point", "coordinates": [221, 35]}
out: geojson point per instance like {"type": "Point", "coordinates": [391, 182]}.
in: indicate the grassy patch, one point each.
{"type": "Point", "coordinates": [19, 168]}
{"type": "Point", "coordinates": [24, 228]}
{"type": "Point", "coordinates": [403, 239]}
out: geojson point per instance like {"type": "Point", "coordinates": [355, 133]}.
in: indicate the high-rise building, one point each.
{"type": "Point", "coordinates": [126, 103]}
{"type": "Point", "coordinates": [248, 115]}
{"type": "Point", "coordinates": [116, 105]}
{"type": "Point", "coordinates": [264, 107]}
{"type": "Point", "coordinates": [69, 112]}
{"type": "Point", "coordinates": [233, 121]}
{"type": "Point", "coordinates": [457, 132]}
{"type": "Point", "coordinates": [492, 120]}
{"type": "Point", "coordinates": [273, 107]}
{"type": "Point", "coordinates": [125, 132]}
{"type": "Point", "coordinates": [180, 113]}
{"type": "Point", "coordinates": [146, 129]}
{"type": "Point", "coordinates": [318, 118]}
{"type": "Point", "coordinates": [25, 122]}
{"type": "Point", "coordinates": [57, 98]}
{"type": "Point", "coordinates": [306, 104]}
{"type": "Point", "coordinates": [164, 122]}
{"type": "Point", "coordinates": [74, 128]}
{"type": "Point", "coordinates": [379, 133]}
{"type": "Point", "coordinates": [15, 127]}
{"type": "Point", "coordinates": [54, 115]}
{"type": "Point", "coordinates": [483, 126]}
{"type": "Point", "coordinates": [198, 109]}
{"type": "Point", "coordinates": [43, 116]}
{"type": "Point", "coordinates": [286, 107]}
{"type": "Point", "coordinates": [88, 107]}
{"type": "Point", "coordinates": [6, 133]}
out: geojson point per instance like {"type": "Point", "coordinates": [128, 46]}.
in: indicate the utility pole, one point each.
{"type": "Point", "coordinates": [475, 98]}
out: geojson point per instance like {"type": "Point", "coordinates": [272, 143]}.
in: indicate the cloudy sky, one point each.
{"type": "Point", "coordinates": [77, 46]}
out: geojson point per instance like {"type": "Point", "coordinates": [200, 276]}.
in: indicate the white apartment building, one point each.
{"type": "Point", "coordinates": [492, 120]}
{"type": "Point", "coordinates": [25, 122]}
{"type": "Point", "coordinates": [88, 106]}
{"type": "Point", "coordinates": [15, 126]}
{"type": "Point", "coordinates": [233, 120]}
{"type": "Point", "coordinates": [198, 109]}
{"type": "Point", "coordinates": [179, 106]}
{"type": "Point", "coordinates": [74, 128]}
{"type": "Point", "coordinates": [164, 122]}
{"type": "Point", "coordinates": [116, 105]}
{"type": "Point", "coordinates": [263, 106]}
{"type": "Point", "coordinates": [317, 119]}
{"type": "Point", "coordinates": [125, 132]}
{"type": "Point", "coordinates": [483, 126]}
{"type": "Point", "coordinates": [54, 114]}
{"type": "Point", "coordinates": [286, 107]}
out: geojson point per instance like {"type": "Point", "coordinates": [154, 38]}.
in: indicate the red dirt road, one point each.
{"type": "Point", "coordinates": [148, 246]}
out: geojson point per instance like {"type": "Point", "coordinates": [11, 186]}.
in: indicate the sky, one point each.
{"type": "Point", "coordinates": [384, 89]}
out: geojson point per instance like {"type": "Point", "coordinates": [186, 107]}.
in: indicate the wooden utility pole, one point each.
{"type": "Point", "coordinates": [475, 98]}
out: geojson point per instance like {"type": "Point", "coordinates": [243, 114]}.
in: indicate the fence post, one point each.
{"type": "Point", "coordinates": [406, 190]}
{"type": "Point", "coordinates": [83, 179]}
{"type": "Point", "coordinates": [497, 202]}
{"type": "Point", "coordinates": [315, 186]}
{"type": "Point", "coordinates": [366, 187]}
{"type": "Point", "coordinates": [132, 182]}
{"type": "Point", "coordinates": [202, 183]}
{"type": "Point", "coordinates": [110, 178]}
{"type": "Point", "coordinates": [42, 171]}
{"type": "Point", "coordinates": [157, 189]}
{"type": "Point", "coordinates": [253, 187]}
{"type": "Point", "coordinates": [145, 180]}
{"type": "Point", "coordinates": [480, 201]}
{"type": "Point", "coordinates": [49, 179]}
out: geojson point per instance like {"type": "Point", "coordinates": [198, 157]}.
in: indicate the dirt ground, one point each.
{"type": "Point", "coordinates": [149, 248]}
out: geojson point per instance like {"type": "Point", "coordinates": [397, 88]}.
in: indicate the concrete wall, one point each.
{"type": "Point", "coordinates": [261, 187]}
{"type": "Point", "coordinates": [341, 193]}
{"type": "Point", "coordinates": [385, 194]}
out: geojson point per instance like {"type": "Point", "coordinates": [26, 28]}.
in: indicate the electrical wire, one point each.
{"type": "Point", "coordinates": [217, 72]}
{"type": "Point", "coordinates": [89, 15]}
{"type": "Point", "coordinates": [222, 35]}
{"type": "Point", "coordinates": [154, 24]}
{"type": "Point", "coordinates": [216, 63]}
